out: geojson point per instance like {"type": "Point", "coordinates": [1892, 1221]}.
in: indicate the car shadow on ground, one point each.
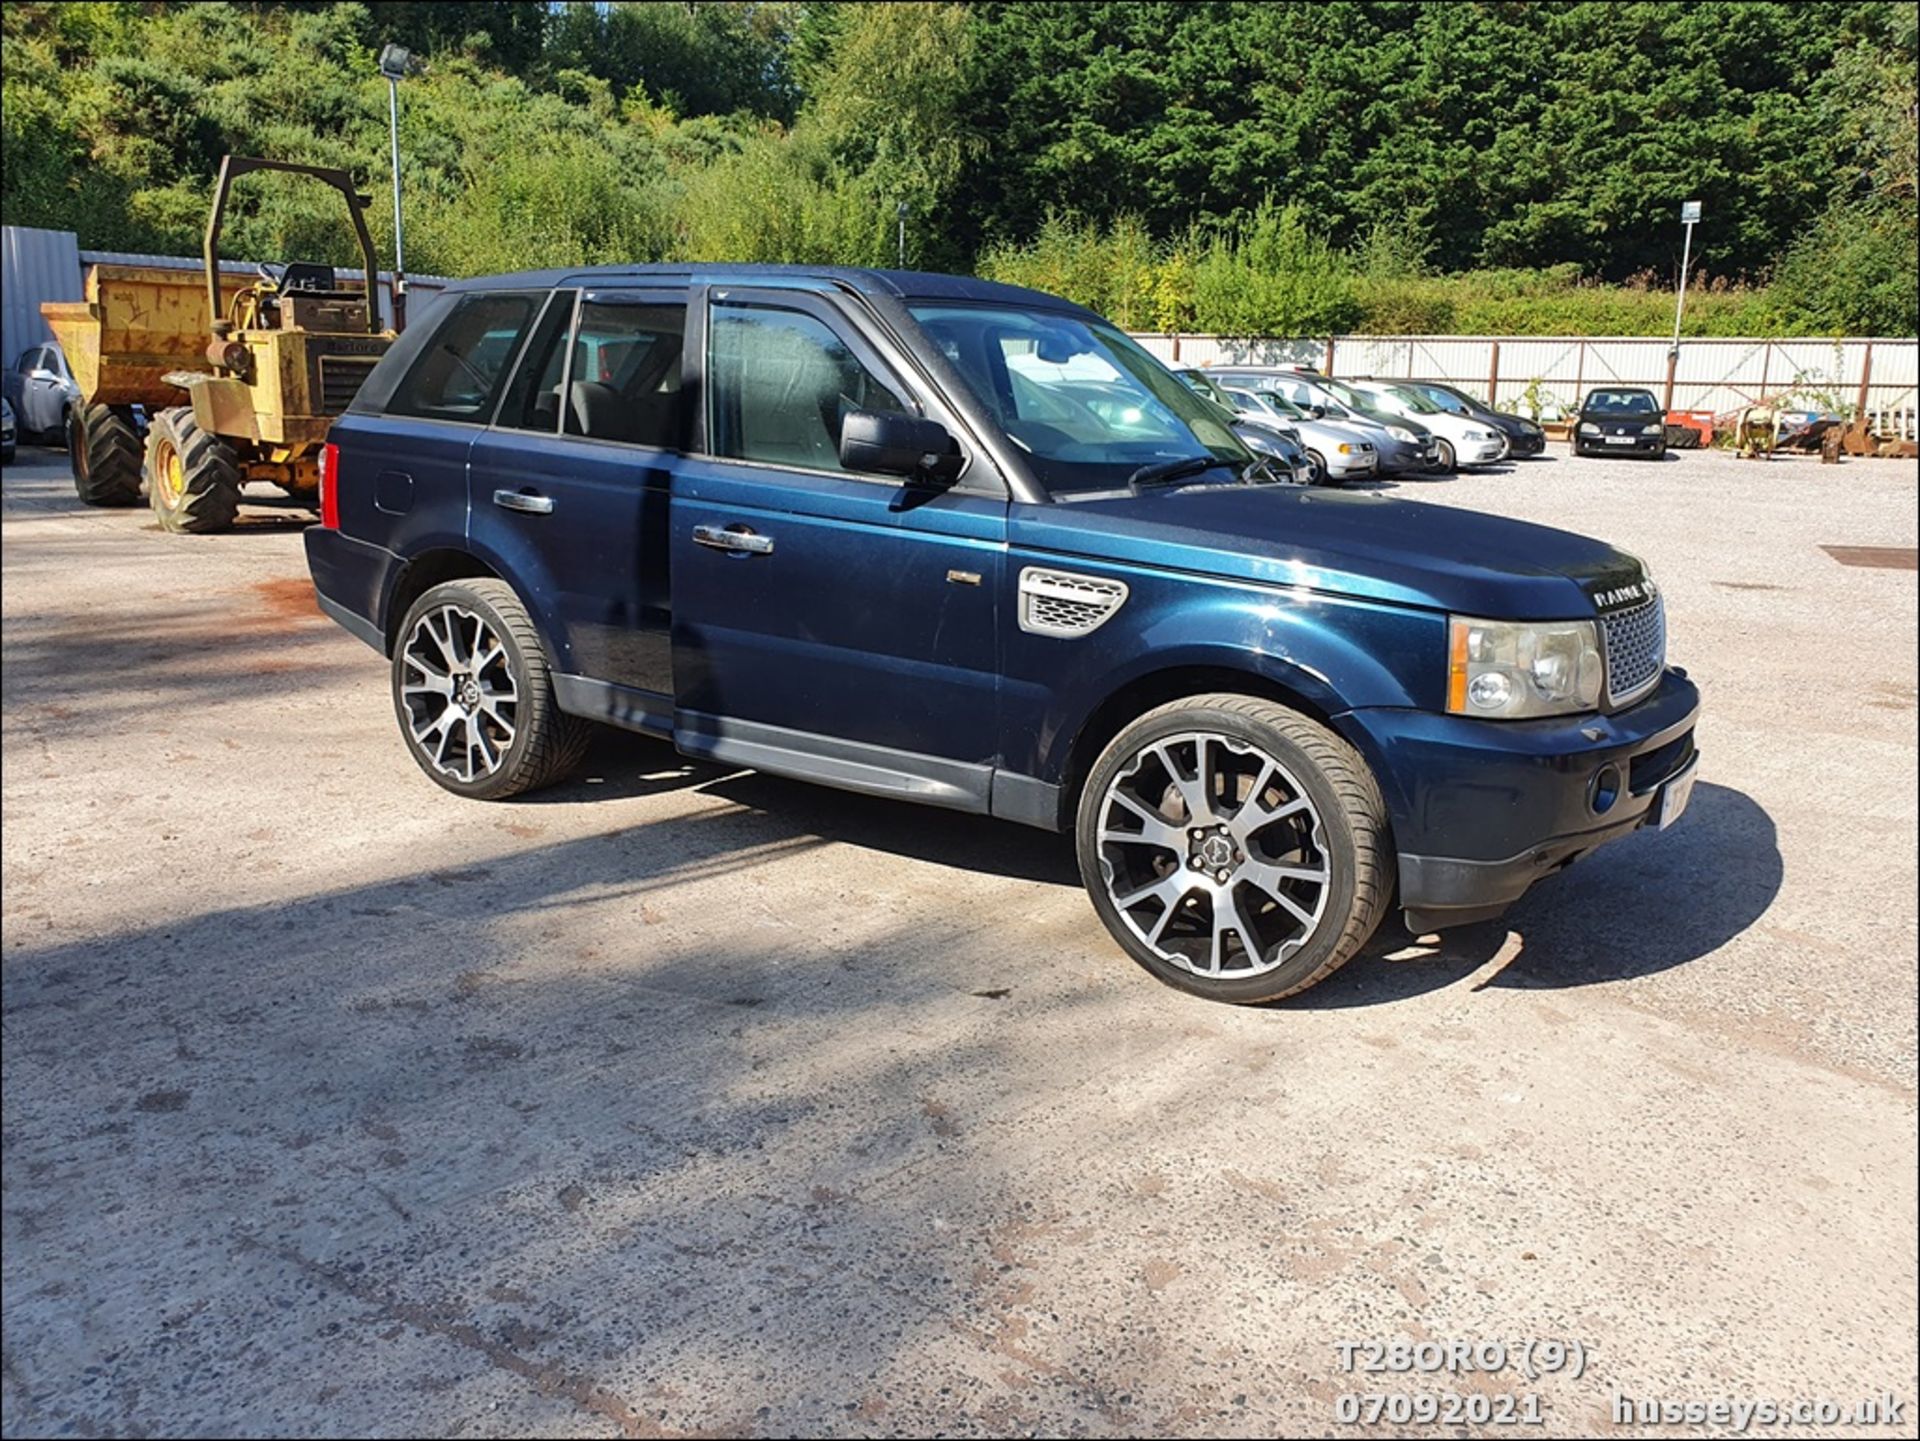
{"type": "Point", "coordinates": [1643, 905]}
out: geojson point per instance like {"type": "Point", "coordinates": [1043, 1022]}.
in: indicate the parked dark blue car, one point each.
{"type": "Point", "coordinates": [967, 544]}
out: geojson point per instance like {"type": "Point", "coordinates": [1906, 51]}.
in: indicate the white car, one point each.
{"type": "Point", "coordinates": [1461, 439]}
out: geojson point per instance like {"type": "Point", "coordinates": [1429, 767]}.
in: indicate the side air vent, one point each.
{"type": "Point", "coordinates": [1054, 602]}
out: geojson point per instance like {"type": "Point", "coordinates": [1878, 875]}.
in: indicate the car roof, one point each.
{"type": "Point", "coordinates": [897, 284]}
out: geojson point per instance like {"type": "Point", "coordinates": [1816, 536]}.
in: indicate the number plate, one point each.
{"type": "Point", "coordinates": [1619, 440]}
{"type": "Point", "coordinates": [1675, 794]}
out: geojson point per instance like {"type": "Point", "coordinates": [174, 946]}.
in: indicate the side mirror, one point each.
{"type": "Point", "coordinates": [1318, 412]}
{"type": "Point", "coordinates": [888, 443]}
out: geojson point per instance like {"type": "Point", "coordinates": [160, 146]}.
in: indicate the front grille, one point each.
{"type": "Point", "coordinates": [1057, 603]}
{"type": "Point", "coordinates": [1636, 648]}
{"type": "Point", "coordinates": [341, 377]}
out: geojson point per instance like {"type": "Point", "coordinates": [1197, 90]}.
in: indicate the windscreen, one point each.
{"type": "Point", "coordinates": [1088, 406]}
{"type": "Point", "coordinates": [1445, 399]}
{"type": "Point", "coordinates": [1622, 402]}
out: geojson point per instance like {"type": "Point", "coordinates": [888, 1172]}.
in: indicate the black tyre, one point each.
{"type": "Point", "coordinates": [1321, 475]}
{"type": "Point", "coordinates": [193, 478]}
{"type": "Point", "coordinates": [1234, 848]}
{"type": "Point", "coordinates": [1445, 460]}
{"type": "Point", "coordinates": [474, 696]}
{"type": "Point", "coordinates": [103, 448]}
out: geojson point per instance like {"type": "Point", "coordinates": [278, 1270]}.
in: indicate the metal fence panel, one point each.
{"type": "Point", "coordinates": [35, 265]}
{"type": "Point", "coordinates": [1551, 373]}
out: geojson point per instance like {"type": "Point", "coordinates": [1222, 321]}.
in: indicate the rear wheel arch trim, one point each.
{"type": "Point", "coordinates": [419, 573]}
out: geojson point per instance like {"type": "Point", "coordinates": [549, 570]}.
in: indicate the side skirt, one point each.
{"type": "Point", "coordinates": [826, 760]}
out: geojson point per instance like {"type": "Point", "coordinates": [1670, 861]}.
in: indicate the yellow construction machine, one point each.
{"type": "Point", "coordinates": [236, 388]}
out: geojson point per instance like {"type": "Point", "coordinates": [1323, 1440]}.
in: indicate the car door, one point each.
{"type": "Point", "coordinates": [570, 493]}
{"type": "Point", "coordinates": [41, 394]}
{"type": "Point", "coordinates": [829, 623]}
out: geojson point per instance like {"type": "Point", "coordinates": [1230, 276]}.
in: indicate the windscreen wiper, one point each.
{"type": "Point", "coordinates": [1166, 472]}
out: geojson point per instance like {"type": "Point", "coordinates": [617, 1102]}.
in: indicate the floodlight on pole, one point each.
{"type": "Point", "coordinates": [395, 60]}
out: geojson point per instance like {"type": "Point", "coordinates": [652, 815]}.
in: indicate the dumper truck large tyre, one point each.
{"type": "Point", "coordinates": [193, 478]}
{"type": "Point", "coordinates": [103, 446]}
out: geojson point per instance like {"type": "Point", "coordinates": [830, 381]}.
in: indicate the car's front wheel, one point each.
{"type": "Point", "coordinates": [1321, 475]}
{"type": "Point", "coordinates": [1234, 848]}
{"type": "Point", "coordinates": [1446, 462]}
{"type": "Point", "coordinates": [474, 696]}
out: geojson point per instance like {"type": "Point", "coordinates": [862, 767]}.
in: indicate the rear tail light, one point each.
{"type": "Point", "coordinates": [330, 487]}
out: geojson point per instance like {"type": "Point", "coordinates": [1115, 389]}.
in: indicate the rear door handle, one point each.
{"type": "Point", "coordinates": [736, 538]}
{"type": "Point", "coordinates": [523, 501]}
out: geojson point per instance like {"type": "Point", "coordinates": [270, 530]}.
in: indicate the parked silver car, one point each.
{"type": "Point", "coordinates": [6, 432]}
{"type": "Point", "coordinates": [1279, 442]}
{"type": "Point", "coordinates": [1401, 444]}
{"type": "Point", "coordinates": [40, 388]}
{"type": "Point", "coordinates": [1339, 452]}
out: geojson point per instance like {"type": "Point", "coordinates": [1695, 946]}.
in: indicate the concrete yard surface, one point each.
{"type": "Point", "coordinates": [687, 1100]}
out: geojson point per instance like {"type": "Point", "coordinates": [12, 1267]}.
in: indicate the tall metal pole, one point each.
{"type": "Point", "coordinates": [399, 261]}
{"type": "Point", "coordinates": [1680, 300]}
{"type": "Point", "coordinates": [1689, 217]}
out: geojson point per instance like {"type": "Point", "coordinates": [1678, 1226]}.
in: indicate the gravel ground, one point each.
{"type": "Point", "coordinates": [683, 1099]}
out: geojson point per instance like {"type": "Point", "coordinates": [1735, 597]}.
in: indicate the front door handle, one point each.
{"type": "Point", "coordinates": [523, 501]}
{"type": "Point", "coordinates": [736, 538]}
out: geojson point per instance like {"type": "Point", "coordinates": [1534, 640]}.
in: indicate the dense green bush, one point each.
{"type": "Point", "coordinates": [1222, 166]}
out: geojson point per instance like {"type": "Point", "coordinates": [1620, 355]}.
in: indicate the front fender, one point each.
{"type": "Point", "coordinates": [1331, 653]}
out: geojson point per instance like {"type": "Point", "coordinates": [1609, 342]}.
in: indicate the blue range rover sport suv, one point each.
{"type": "Point", "coordinates": [966, 544]}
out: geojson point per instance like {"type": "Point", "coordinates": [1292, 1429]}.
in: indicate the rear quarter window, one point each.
{"type": "Point", "coordinates": [457, 372]}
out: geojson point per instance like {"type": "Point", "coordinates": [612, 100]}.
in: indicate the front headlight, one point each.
{"type": "Point", "coordinates": [1517, 670]}
{"type": "Point", "coordinates": [1587, 427]}
{"type": "Point", "coordinates": [1345, 449]}
{"type": "Point", "coordinates": [1653, 430]}
{"type": "Point", "coordinates": [1403, 435]}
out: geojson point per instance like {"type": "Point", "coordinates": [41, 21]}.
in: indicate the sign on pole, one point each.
{"type": "Point", "coordinates": [1690, 213]}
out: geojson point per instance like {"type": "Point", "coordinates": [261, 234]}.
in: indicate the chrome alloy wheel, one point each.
{"type": "Point", "coordinates": [461, 699]}
{"type": "Point", "coordinates": [1213, 855]}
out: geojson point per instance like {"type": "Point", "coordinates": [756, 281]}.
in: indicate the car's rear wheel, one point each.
{"type": "Point", "coordinates": [103, 449]}
{"type": "Point", "coordinates": [474, 696]}
{"type": "Point", "coordinates": [1234, 848]}
{"type": "Point", "coordinates": [1445, 461]}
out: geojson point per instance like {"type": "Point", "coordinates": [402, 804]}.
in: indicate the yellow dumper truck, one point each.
{"type": "Point", "coordinates": [238, 387]}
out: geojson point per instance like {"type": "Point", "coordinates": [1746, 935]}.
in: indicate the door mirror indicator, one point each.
{"type": "Point", "coordinates": [887, 443]}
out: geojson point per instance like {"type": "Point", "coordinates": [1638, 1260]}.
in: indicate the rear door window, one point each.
{"type": "Point", "coordinates": [625, 379]}
{"type": "Point", "coordinates": [459, 373]}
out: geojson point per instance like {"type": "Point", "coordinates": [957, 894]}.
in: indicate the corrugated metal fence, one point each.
{"type": "Point", "coordinates": [35, 265]}
{"type": "Point", "coordinates": [1522, 373]}
{"type": "Point", "coordinates": [49, 265]}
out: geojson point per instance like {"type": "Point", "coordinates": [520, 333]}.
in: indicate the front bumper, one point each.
{"type": "Point", "coordinates": [1397, 457]}
{"type": "Point", "coordinates": [1483, 809]}
{"type": "Point", "coordinates": [1620, 443]}
{"type": "Point", "coordinates": [1482, 452]}
{"type": "Point", "coordinates": [1351, 467]}
{"type": "Point", "coordinates": [1526, 443]}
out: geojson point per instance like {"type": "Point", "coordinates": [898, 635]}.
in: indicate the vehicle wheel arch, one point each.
{"type": "Point", "coordinates": [422, 573]}
{"type": "Point", "coordinates": [1285, 685]}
